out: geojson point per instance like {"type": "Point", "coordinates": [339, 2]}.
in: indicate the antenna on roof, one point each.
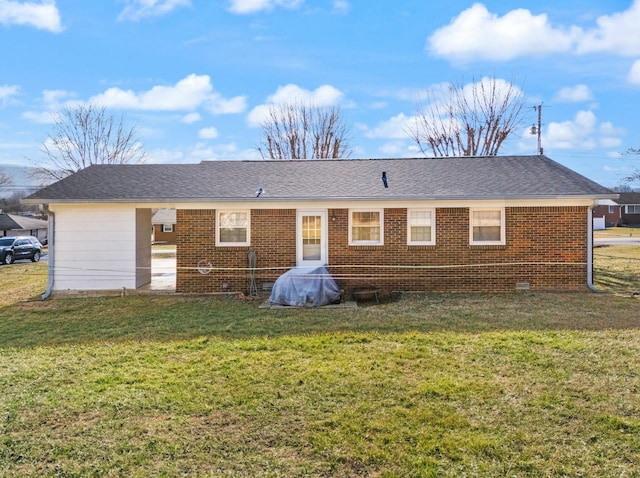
{"type": "Point", "coordinates": [537, 130]}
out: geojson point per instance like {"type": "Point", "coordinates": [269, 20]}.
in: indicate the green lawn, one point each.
{"type": "Point", "coordinates": [519, 384]}
{"type": "Point", "coordinates": [617, 268]}
{"type": "Point", "coordinates": [617, 232]}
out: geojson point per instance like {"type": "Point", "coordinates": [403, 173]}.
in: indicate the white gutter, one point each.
{"type": "Point", "coordinates": [51, 254]}
{"type": "Point", "coordinates": [328, 199]}
{"type": "Point", "coordinates": [590, 252]}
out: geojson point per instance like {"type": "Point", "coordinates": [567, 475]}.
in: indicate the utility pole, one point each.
{"type": "Point", "coordinates": [538, 129]}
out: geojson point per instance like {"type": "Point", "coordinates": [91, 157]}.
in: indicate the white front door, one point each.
{"type": "Point", "coordinates": [312, 238]}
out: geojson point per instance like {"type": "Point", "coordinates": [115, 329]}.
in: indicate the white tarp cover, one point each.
{"type": "Point", "coordinates": [305, 287]}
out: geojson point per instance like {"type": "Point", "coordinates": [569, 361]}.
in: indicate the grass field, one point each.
{"type": "Point", "coordinates": [618, 232]}
{"type": "Point", "coordinates": [617, 268]}
{"type": "Point", "coordinates": [521, 384]}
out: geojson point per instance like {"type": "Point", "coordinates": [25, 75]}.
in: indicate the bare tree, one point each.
{"type": "Point", "coordinates": [301, 131]}
{"type": "Point", "coordinates": [471, 120]}
{"type": "Point", "coordinates": [87, 135]}
{"type": "Point", "coordinates": [635, 175]}
{"type": "Point", "coordinates": [5, 180]}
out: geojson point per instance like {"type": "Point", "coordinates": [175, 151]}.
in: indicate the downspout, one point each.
{"type": "Point", "coordinates": [51, 241]}
{"type": "Point", "coordinates": [590, 251]}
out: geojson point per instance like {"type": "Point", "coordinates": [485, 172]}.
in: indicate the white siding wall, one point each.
{"type": "Point", "coordinates": [96, 247]}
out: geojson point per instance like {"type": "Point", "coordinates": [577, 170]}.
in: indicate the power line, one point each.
{"type": "Point", "coordinates": [537, 130]}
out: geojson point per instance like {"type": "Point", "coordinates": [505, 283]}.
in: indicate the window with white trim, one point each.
{"type": "Point", "coordinates": [167, 228]}
{"type": "Point", "coordinates": [421, 227]}
{"type": "Point", "coordinates": [366, 227]}
{"type": "Point", "coordinates": [486, 226]}
{"type": "Point", "coordinates": [233, 228]}
{"type": "Point", "coordinates": [633, 208]}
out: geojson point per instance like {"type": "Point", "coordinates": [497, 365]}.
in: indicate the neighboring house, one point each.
{"type": "Point", "coordinates": [14, 225]}
{"type": "Point", "coordinates": [164, 226]}
{"type": "Point", "coordinates": [629, 209]}
{"type": "Point", "coordinates": [606, 214]}
{"type": "Point", "coordinates": [442, 224]}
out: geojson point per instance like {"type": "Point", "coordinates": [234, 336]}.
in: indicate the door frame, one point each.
{"type": "Point", "coordinates": [324, 246]}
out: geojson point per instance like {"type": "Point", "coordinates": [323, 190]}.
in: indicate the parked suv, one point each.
{"type": "Point", "coordinates": [21, 247]}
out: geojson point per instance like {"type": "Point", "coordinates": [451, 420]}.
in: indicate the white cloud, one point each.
{"type": "Point", "coordinates": [634, 73]}
{"type": "Point", "coordinates": [402, 94]}
{"type": "Point", "coordinates": [395, 148]}
{"type": "Point", "coordinates": [401, 126]}
{"type": "Point", "coordinates": [43, 15]}
{"type": "Point", "coordinates": [53, 101]}
{"type": "Point", "coordinates": [138, 9]}
{"type": "Point", "coordinates": [164, 156]}
{"type": "Point", "coordinates": [208, 133]}
{"type": "Point", "coordinates": [218, 105]}
{"type": "Point", "coordinates": [399, 149]}
{"type": "Point", "coordinates": [477, 34]}
{"type": "Point", "coordinates": [202, 151]}
{"type": "Point", "coordinates": [576, 133]}
{"type": "Point", "coordinates": [7, 92]}
{"type": "Point", "coordinates": [617, 34]}
{"type": "Point", "coordinates": [486, 87]}
{"type": "Point", "coordinates": [325, 95]}
{"type": "Point", "coordinates": [55, 98]}
{"type": "Point", "coordinates": [253, 6]}
{"type": "Point", "coordinates": [397, 127]}
{"type": "Point", "coordinates": [574, 94]}
{"type": "Point", "coordinates": [610, 142]}
{"type": "Point", "coordinates": [341, 6]}
{"type": "Point", "coordinates": [378, 105]}
{"type": "Point", "coordinates": [229, 151]}
{"type": "Point", "coordinates": [187, 94]}
{"type": "Point", "coordinates": [583, 132]}
{"type": "Point", "coordinates": [44, 117]}
{"type": "Point", "coordinates": [191, 118]}
{"type": "Point", "coordinates": [610, 135]}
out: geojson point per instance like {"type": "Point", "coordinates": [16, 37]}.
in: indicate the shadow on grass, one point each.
{"type": "Point", "coordinates": [169, 318]}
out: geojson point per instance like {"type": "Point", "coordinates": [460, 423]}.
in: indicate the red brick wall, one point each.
{"type": "Point", "coordinates": [610, 218]}
{"type": "Point", "coordinates": [545, 248]}
{"type": "Point", "coordinates": [273, 237]}
{"type": "Point", "coordinates": [163, 237]}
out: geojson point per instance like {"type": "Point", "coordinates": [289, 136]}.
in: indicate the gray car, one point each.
{"type": "Point", "coordinates": [20, 247]}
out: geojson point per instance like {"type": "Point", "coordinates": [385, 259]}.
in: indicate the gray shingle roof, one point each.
{"type": "Point", "coordinates": [10, 222]}
{"type": "Point", "coordinates": [7, 223]}
{"type": "Point", "coordinates": [629, 198]}
{"type": "Point", "coordinates": [501, 177]}
{"type": "Point", "coordinates": [163, 216]}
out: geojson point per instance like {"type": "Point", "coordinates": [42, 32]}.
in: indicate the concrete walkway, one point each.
{"type": "Point", "coordinates": [163, 271]}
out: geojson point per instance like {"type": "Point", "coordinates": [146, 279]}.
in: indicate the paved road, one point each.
{"type": "Point", "coordinates": [617, 241]}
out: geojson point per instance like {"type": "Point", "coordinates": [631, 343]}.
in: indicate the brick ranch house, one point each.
{"type": "Point", "coordinates": [163, 222]}
{"type": "Point", "coordinates": [607, 212]}
{"type": "Point", "coordinates": [444, 224]}
{"type": "Point", "coordinates": [629, 209]}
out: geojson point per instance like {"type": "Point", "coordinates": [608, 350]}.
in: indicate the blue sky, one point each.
{"type": "Point", "coordinates": [195, 75]}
